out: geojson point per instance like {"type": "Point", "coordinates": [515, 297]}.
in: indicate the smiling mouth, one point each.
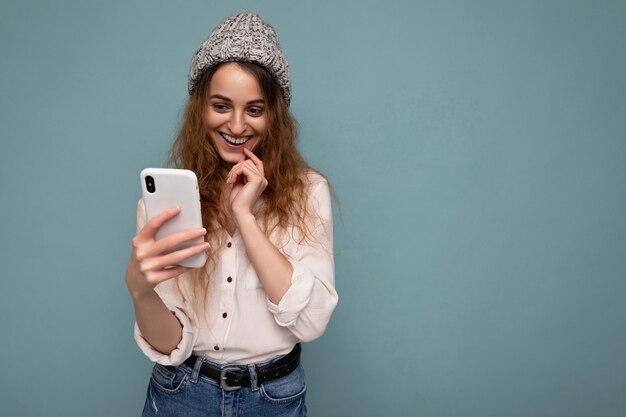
{"type": "Point", "coordinates": [233, 140]}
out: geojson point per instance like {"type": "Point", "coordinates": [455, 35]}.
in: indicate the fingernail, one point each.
{"type": "Point", "coordinates": [175, 209]}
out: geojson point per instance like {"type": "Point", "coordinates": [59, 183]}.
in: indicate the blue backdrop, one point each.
{"type": "Point", "coordinates": [478, 149]}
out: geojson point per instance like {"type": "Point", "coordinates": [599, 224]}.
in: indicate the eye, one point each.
{"type": "Point", "coordinates": [255, 111]}
{"type": "Point", "coordinates": [220, 107]}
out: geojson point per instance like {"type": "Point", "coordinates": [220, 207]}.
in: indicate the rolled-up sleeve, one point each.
{"type": "Point", "coordinates": [305, 309]}
{"type": "Point", "coordinates": [173, 301]}
{"type": "Point", "coordinates": [180, 353]}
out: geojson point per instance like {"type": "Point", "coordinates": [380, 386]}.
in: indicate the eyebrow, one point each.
{"type": "Point", "coordinates": [221, 97]}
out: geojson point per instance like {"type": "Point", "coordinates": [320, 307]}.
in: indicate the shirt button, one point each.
{"type": "Point", "coordinates": [229, 244]}
{"type": "Point", "coordinates": [229, 279]}
{"type": "Point", "coordinates": [225, 315]}
{"type": "Point", "coordinates": [216, 347]}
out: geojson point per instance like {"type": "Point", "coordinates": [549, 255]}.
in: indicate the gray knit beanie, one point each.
{"type": "Point", "coordinates": [244, 37]}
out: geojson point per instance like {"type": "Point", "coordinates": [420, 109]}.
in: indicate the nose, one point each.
{"type": "Point", "coordinates": [236, 123]}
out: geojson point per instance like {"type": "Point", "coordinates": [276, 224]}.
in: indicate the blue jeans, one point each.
{"type": "Point", "coordinates": [182, 392]}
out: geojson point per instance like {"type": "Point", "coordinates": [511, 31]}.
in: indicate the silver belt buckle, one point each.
{"type": "Point", "coordinates": [223, 382]}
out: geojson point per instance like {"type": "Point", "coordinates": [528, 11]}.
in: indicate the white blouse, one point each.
{"type": "Point", "coordinates": [242, 325]}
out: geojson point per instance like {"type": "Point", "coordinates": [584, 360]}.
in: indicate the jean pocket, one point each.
{"type": "Point", "coordinates": [168, 379]}
{"type": "Point", "coordinates": [286, 389]}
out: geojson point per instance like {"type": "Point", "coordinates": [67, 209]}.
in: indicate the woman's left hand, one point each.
{"type": "Point", "coordinates": [248, 182]}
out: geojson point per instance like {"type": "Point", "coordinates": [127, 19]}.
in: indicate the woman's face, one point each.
{"type": "Point", "coordinates": [236, 115]}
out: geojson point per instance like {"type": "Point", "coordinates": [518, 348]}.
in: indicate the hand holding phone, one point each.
{"type": "Point", "coordinates": [168, 244]}
{"type": "Point", "coordinates": [164, 188]}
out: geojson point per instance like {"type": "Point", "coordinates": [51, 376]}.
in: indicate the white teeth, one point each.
{"type": "Point", "coordinates": [233, 140]}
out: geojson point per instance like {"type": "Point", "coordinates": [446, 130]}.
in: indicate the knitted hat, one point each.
{"type": "Point", "coordinates": [244, 37]}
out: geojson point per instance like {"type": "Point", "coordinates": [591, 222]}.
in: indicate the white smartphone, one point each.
{"type": "Point", "coordinates": [162, 188]}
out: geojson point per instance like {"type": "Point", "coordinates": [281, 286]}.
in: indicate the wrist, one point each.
{"type": "Point", "coordinates": [244, 218]}
{"type": "Point", "coordinates": [139, 296]}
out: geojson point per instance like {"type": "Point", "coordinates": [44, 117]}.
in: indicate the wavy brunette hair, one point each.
{"type": "Point", "coordinates": [284, 200]}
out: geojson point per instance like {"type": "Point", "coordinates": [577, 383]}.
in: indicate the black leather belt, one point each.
{"type": "Point", "coordinates": [233, 378]}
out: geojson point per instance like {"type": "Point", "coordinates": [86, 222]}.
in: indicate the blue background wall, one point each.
{"type": "Point", "coordinates": [478, 149]}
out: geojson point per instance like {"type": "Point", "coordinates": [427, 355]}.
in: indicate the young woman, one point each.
{"type": "Point", "coordinates": [226, 338]}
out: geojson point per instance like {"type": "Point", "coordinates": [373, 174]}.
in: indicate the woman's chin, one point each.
{"type": "Point", "coordinates": [231, 157]}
